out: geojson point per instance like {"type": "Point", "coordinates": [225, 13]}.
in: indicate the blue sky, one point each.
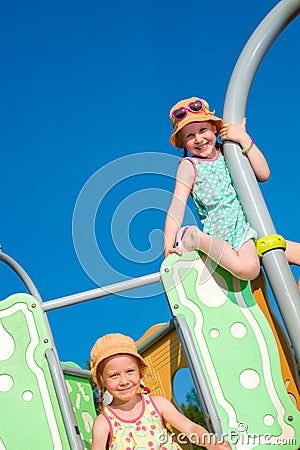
{"type": "Point", "coordinates": [85, 92]}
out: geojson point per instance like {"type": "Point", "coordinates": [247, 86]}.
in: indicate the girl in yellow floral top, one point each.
{"type": "Point", "coordinates": [132, 420]}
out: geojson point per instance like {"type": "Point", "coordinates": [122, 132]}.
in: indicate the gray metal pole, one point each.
{"type": "Point", "coordinates": [21, 273]}
{"type": "Point", "coordinates": [73, 433]}
{"type": "Point", "coordinates": [93, 294]}
{"type": "Point", "coordinates": [200, 382]}
{"type": "Point", "coordinates": [274, 262]}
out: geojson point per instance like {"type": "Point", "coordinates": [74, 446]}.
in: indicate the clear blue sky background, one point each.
{"type": "Point", "coordinates": [84, 84]}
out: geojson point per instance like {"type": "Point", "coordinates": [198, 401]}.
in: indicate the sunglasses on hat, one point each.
{"type": "Point", "coordinates": [195, 106]}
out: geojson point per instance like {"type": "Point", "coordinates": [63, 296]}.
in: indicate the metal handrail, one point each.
{"type": "Point", "coordinates": [104, 291]}
{"type": "Point", "coordinates": [277, 270]}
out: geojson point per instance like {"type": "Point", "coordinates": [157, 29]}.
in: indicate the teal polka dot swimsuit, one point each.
{"type": "Point", "coordinates": [217, 203]}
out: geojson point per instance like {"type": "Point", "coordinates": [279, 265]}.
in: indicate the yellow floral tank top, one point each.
{"type": "Point", "coordinates": [145, 432]}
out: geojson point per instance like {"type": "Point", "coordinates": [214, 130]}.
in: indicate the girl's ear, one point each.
{"type": "Point", "coordinates": [215, 130]}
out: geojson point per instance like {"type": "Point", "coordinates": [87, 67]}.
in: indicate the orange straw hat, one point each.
{"type": "Point", "coordinates": [110, 345]}
{"type": "Point", "coordinates": [190, 110]}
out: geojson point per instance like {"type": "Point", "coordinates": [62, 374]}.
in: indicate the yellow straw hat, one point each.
{"type": "Point", "coordinates": [110, 345]}
{"type": "Point", "coordinates": [190, 110]}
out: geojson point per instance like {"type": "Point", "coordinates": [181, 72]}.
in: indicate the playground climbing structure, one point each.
{"type": "Point", "coordinates": [223, 329]}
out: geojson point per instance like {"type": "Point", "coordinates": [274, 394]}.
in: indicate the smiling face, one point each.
{"type": "Point", "coordinates": [199, 138]}
{"type": "Point", "coordinates": [121, 376]}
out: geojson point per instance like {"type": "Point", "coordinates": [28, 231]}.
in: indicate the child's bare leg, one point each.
{"type": "Point", "coordinates": [243, 264]}
{"type": "Point", "coordinates": [292, 254]}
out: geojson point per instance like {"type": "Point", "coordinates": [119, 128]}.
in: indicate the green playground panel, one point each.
{"type": "Point", "coordinates": [82, 399]}
{"type": "Point", "coordinates": [237, 351]}
{"type": "Point", "coordinates": [30, 415]}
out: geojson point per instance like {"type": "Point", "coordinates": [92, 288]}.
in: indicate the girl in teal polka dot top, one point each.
{"type": "Point", "coordinates": [226, 237]}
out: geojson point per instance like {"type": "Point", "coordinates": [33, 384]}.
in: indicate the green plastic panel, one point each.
{"type": "Point", "coordinates": [237, 351]}
{"type": "Point", "coordinates": [30, 415]}
{"type": "Point", "coordinates": [82, 400]}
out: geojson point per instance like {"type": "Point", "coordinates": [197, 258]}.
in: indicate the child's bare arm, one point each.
{"type": "Point", "coordinates": [238, 133]}
{"type": "Point", "coordinates": [100, 433]}
{"type": "Point", "coordinates": [194, 432]}
{"type": "Point", "coordinates": [175, 214]}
